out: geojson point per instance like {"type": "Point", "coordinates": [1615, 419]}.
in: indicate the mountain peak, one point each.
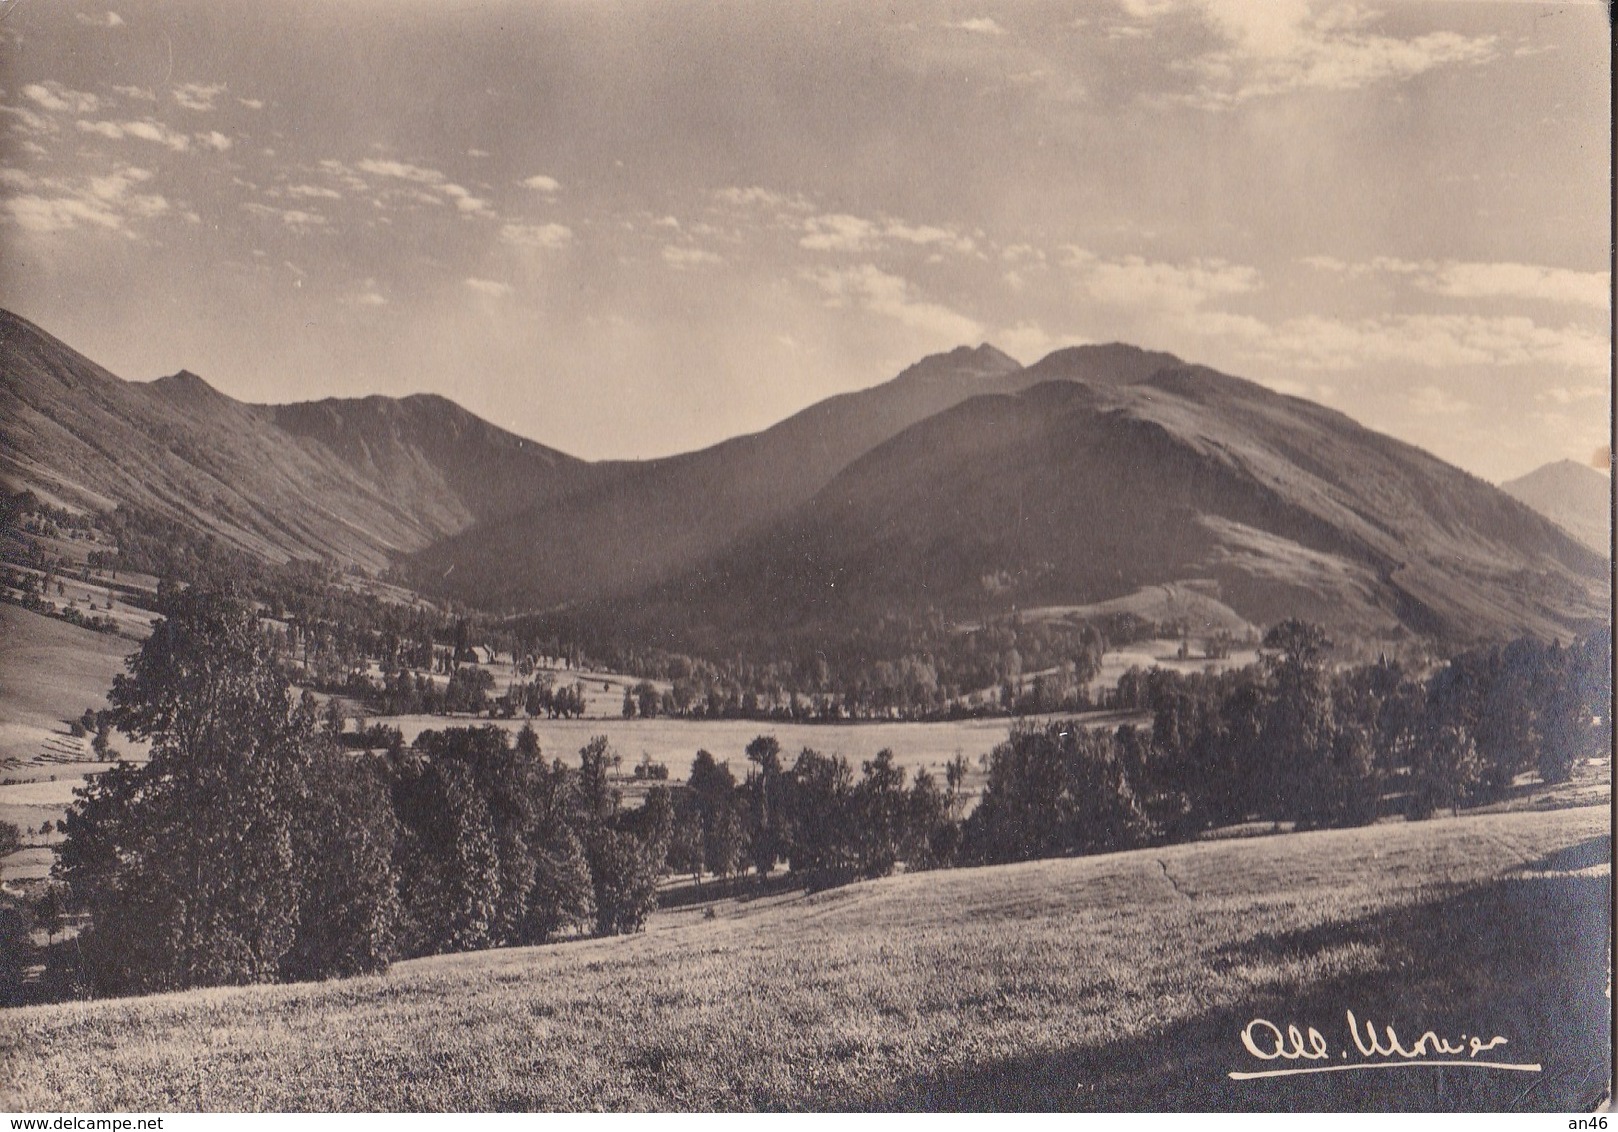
{"type": "Point", "coordinates": [1114, 363]}
{"type": "Point", "coordinates": [184, 385]}
{"type": "Point", "coordinates": [983, 361]}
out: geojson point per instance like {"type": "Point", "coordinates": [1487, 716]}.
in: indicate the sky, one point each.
{"type": "Point", "coordinates": [626, 229]}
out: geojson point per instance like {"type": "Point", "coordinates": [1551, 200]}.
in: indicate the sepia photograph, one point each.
{"type": "Point", "coordinates": [736, 556]}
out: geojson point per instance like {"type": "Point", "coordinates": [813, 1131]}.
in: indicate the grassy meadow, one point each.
{"type": "Point", "coordinates": [1110, 982]}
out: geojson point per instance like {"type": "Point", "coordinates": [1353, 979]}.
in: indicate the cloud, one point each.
{"type": "Point", "coordinates": [466, 202]}
{"type": "Point", "coordinates": [145, 130]}
{"type": "Point", "coordinates": [106, 20]}
{"type": "Point", "coordinates": [297, 219]}
{"type": "Point", "coordinates": [112, 202]}
{"type": "Point", "coordinates": [489, 287]}
{"type": "Point", "coordinates": [1429, 341]}
{"type": "Point", "coordinates": [197, 96]}
{"type": "Point", "coordinates": [25, 121]}
{"type": "Point", "coordinates": [58, 98]}
{"type": "Point", "coordinates": [686, 257]}
{"type": "Point", "coordinates": [543, 183]}
{"type": "Point", "coordinates": [756, 197]}
{"type": "Point", "coordinates": [838, 232]}
{"type": "Point", "coordinates": [474, 152]}
{"type": "Point", "coordinates": [402, 171]}
{"type": "Point", "coordinates": [1505, 280]}
{"type": "Point", "coordinates": [869, 288]}
{"type": "Point", "coordinates": [252, 103]}
{"type": "Point", "coordinates": [982, 25]}
{"type": "Point", "coordinates": [1278, 46]}
{"type": "Point", "coordinates": [1135, 282]}
{"type": "Point", "coordinates": [1028, 341]}
{"type": "Point", "coordinates": [313, 191]}
{"type": "Point", "coordinates": [841, 232]}
{"type": "Point", "coordinates": [139, 93]}
{"type": "Point", "coordinates": [536, 235]}
{"type": "Point", "coordinates": [214, 140]}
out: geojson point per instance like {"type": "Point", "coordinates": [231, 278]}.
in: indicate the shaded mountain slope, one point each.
{"type": "Point", "coordinates": [659, 516]}
{"type": "Point", "coordinates": [1073, 492]}
{"type": "Point", "coordinates": [1574, 496]}
{"type": "Point", "coordinates": [357, 481]}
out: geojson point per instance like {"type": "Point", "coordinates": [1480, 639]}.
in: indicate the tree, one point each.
{"type": "Point", "coordinates": [625, 872]}
{"type": "Point", "coordinates": [186, 864]}
{"type": "Point", "coordinates": [10, 838]}
{"type": "Point", "coordinates": [563, 896]}
{"type": "Point", "coordinates": [348, 905]}
{"type": "Point", "coordinates": [880, 815]}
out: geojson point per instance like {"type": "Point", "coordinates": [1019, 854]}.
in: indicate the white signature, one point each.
{"type": "Point", "coordinates": [1269, 1042]}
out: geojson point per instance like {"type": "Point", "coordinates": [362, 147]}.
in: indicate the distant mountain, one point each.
{"type": "Point", "coordinates": [967, 486]}
{"type": "Point", "coordinates": [359, 481]}
{"type": "Point", "coordinates": [1574, 496]}
{"type": "Point", "coordinates": [1081, 491]}
{"type": "Point", "coordinates": [654, 518]}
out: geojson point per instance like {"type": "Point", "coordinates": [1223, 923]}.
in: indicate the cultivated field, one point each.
{"type": "Point", "coordinates": [1114, 982]}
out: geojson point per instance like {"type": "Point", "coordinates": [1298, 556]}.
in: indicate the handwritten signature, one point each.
{"type": "Point", "coordinates": [1269, 1042]}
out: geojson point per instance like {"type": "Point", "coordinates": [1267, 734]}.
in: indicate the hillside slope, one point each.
{"type": "Point", "coordinates": [659, 516]}
{"type": "Point", "coordinates": [358, 481]}
{"type": "Point", "coordinates": [1118, 982]}
{"type": "Point", "coordinates": [1076, 492]}
{"type": "Point", "coordinates": [1574, 496]}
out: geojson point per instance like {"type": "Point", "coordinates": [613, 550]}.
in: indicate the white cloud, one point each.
{"type": "Point", "coordinates": [313, 191]}
{"type": "Point", "coordinates": [197, 96]}
{"type": "Point", "coordinates": [1275, 46]}
{"type": "Point", "coordinates": [756, 197]}
{"type": "Point", "coordinates": [489, 287]}
{"type": "Point", "coordinates": [1463, 280]}
{"type": "Point", "coordinates": [56, 97]}
{"type": "Point", "coordinates": [59, 214]}
{"type": "Point", "coordinates": [1429, 341]}
{"type": "Point", "coordinates": [982, 25]}
{"type": "Point", "coordinates": [138, 93]}
{"type": "Point", "coordinates": [1028, 341]}
{"type": "Point", "coordinates": [872, 289]}
{"type": "Point", "coordinates": [466, 202]}
{"type": "Point", "coordinates": [837, 232]}
{"type": "Point", "coordinates": [841, 232]}
{"type": "Point", "coordinates": [106, 20]}
{"type": "Point", "coordinates": [297, 219]}
{"type": "Point", "coordinates": [1135, 282]}
{"type": "Point", "coordinates": [536, 235]}
{"type": "Point", "coordinates": [111, 202]}
{"type": "Point", "coordinates": [252, 103]}
{"type": "Point", "coordinates": [685, 257]}
{"type": "Point", "coordinates": [402, 171]}
{"type": "Point", "coordinates": [214, 140]}
{"type": "Point", "coordinates": [477, 152]}
{"type": "Point", "coordinates": [543, 183]}
{"type": "Point", "coordinates": [145, 130]}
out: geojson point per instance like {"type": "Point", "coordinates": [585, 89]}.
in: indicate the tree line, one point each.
{"type": "Point", "coordinates": [253, 847]}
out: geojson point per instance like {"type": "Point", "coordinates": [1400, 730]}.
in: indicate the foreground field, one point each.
{"type": "Point", "coordinates": [1115, 982]}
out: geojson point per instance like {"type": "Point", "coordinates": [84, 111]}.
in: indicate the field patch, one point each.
{"type": "Point", "coordinates": [1112, 982]}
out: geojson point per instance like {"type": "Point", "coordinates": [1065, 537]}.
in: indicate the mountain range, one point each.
{"type": "Point", "coordinates": [967, 486]}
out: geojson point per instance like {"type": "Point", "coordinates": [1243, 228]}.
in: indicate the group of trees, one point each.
{"type": "Point", "coordinates": [814, 815]}
{"type": "Point", "coordinates": [1296, 740]}
{"type": "Point", "coordinates": [251, 847]}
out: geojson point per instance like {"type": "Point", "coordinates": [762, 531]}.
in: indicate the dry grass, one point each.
{"type": "Point", "coordinates": [1115, 982]}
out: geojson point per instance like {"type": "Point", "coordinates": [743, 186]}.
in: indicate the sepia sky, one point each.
{"type": "Point", "coordinates": [629, 229]}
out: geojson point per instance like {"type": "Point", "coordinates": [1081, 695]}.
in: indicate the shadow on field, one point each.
{"type": "Point", "coordinates": [1523, 957]}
